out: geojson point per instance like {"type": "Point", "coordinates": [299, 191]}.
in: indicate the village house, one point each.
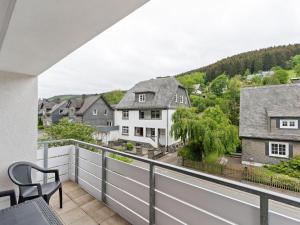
{"type": "Point", "coordinates": [270, 123]}
{"type": "Point", "coordinates": [144, 115]}
{"type": "Point", "coordinates": [97, 112]}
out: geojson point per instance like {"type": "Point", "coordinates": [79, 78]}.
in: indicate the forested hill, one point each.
{"type": "Point", "coordinates": [254, 61]}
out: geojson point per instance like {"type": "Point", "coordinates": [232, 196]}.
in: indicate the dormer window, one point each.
{"type": "Point", "coordinates": [288, 124]}
{"type": "Point", "coordinates": [181, 99]}
{"type": "Point", "coordinates": [95, 112]}
{"type": "Point", "coordinates": [142, 97]}
{"type": "Point", "coordinates": [176, 98]}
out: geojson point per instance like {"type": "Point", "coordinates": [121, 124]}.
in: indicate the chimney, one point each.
{"type": "Point", "coordinates": [295, 80]}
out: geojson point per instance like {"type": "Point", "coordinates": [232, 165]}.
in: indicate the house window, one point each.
{"type": "Point", "coordinates": [181, 99]}
{"type": "Point", "coordinates": [150, 132]}
{"type": "Point", "coordinates": [95, 112]}
{"type": "Point", "coordinates": [279, 149]}
{"type": "Point", "coordinates": [142, 97]}
{"type": "Point", "coordinates": [60, 111]}
{"type": "Point", "coordinates": [109, 123]}
{"type": "Point", "coordinates": [105, 112]}
{"type": "Point", "coordinates": [289, 124]}
{"type": "Point", "coordinates": [142, 115]}
{"type": "Point", "coordinates": [176, 98]}
{"type": "Point", "coordinates": [155, 114]}
{"type": "Point", "coordinates": [125, 114]}
{"type": "Point", "coordinates": [139, 131]}
{"type": "Point", "coordinates": [125, 130]}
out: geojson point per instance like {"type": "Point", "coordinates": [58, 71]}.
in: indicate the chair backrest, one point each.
{"type": "Point", "coordinates": [20, 173]}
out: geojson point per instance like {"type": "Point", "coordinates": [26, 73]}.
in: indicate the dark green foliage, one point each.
{"type": "Point", "coordinates": [120, 158]}
{"type": "Point", "coordinates": [114, 97]}
{"type": "Point", "coordinates": [40, 124]}
{"type": "Point", "coordinates": [129, 146]}
{"type": "Point", "coordinates": [254, 61]}
{"type": "Point", "coordinates": [209, 132]}
{"type": "Point", "coordinates": [281, 75]}
{"type": "Point", "coordinates": [290, 167]}
{"type": "Point", "coordinates": [297, 69]}
{"type": "Point", "coordinates": [70, 130]}
{"type": "Point", "coordinates": [193, 78]}
{"type": "Point", "coordinates": [219, 85]}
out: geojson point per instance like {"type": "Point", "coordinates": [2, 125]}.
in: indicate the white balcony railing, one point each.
{"type": "Point", "coordinates": [144, 193]}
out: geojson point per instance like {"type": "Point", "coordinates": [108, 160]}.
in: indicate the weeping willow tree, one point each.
{"type": "Point", "coordinates": [209, 132]}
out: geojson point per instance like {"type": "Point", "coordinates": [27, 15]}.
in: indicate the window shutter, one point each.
{"type": "Point", "coordinates": [277, 123]}
{"type": "Point", "coordinates": [267, 148]}
{"type": "Point", "coordinates": [290, 150]}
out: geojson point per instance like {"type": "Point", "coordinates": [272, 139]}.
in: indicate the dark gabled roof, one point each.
{"type": "Point", "coordinates": [57, 106]}
{"type": "Point", "coordinates": [259, 104]}
{"type": "Point", "coordinates": [164, 90]}
{"type": "Point", "coordinates": [88, 101]}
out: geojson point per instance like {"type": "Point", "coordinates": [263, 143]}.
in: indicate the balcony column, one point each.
{"type": "Point", "coordinates": [18, 121]}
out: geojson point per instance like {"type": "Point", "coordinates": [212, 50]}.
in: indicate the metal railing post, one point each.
{"type": "Point", "coordinates": [76, 162]}
{"type": "Point", "coordinates": [103, 178]}
{"type": "Point", "coordinates": [264, 210]}
{"type": "Point", "coordinates": [151, 194]}
{"type": "Point", "coordinates": [45, 175]}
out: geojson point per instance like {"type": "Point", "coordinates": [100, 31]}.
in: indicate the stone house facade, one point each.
{"type": "Point", "coordinates": [270, 123]}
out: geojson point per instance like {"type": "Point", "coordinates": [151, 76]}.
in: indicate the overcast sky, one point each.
{"type": "Point", "coordinates": [166, 37]}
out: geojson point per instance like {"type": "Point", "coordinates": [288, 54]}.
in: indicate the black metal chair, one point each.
{"type": "Point", "coordinates": [11, 194]}
{"type": "Point", "coordinates": [20, 174]}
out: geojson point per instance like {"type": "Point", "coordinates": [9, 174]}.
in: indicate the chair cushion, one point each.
{"type": "Point", "coordinates": [47, 189]}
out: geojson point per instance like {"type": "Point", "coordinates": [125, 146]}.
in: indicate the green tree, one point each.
{"type": "Point", "coordinates": [219, 84]}
{"type": "Point", "coordinates": [230, 103]}
{"type": "Point", "coordinates": [296, 60]}
{"type": "Point", "coordinates": [256, 80]}
{"type": "Point", "coordinates": [210, 131]}
{"type": "Point", "coordinates": [270, 80]}
{"type": "Point", "coordinates": [114, 97]}
{"type": "Point", "coordinates": [297, 69]}
{"type": "Point", "coordinates": [282, 75]}
{"type": "Point", "coordinates": [70, 130]}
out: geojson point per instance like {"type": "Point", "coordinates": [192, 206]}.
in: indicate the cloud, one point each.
{"type": "Point", "coordinates": [166, 37]}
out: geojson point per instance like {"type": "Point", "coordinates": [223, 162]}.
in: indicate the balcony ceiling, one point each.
{"type": "Point", "coordinates": [35, 34]}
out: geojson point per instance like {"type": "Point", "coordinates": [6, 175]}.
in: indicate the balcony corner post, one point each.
{"type": "Point", "coordinates": [45, 176]}
{"type": "Point", "coordinates": [151, 194]}
{"type": "Point", "coordinates": [103, 178]}
{"type": "Point", "coordinates": [264, 210]}
{"type": "Point", "coordinates": [76, 162]}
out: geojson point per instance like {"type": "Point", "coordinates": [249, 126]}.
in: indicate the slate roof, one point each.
{"type": "Point", "coordinates": [88, 101]}
{"type": "Point", "coordinates": [259, 104]}
{"type": "Point", "coordinates": [57, 106]}
{"type": "Point", "coordinates": [164, 90]}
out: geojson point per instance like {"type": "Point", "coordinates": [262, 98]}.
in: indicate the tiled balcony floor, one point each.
{"type": "Point", "coordinates": [80, 208]}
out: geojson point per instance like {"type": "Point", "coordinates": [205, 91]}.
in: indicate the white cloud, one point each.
{"type": "Point", "coordinates": [166, 37]}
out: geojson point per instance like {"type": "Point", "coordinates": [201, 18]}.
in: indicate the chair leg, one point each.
{"type": "Point", "coordinates": [60, 198]}
{"type": "Point", "coordinates": [47, 199]}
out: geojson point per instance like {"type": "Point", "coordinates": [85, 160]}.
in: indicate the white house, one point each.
{"type": "Point", "coordinates": [144, 115]}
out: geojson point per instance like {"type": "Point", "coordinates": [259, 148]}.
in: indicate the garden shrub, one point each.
{"type": "Point", "coordinates": [290, 167]}
{"type": "Point", "coordinates": [129, 146]}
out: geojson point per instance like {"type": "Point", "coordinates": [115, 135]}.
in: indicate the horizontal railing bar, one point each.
{"type": "Point", "coordinates": [294, 201]}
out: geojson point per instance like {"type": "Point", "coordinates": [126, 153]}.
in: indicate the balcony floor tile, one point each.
{"type": "Point", "coordinates": [79, 207]}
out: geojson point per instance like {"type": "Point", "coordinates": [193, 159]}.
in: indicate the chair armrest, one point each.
{"type": "Point", "coordinates": [11, 194]}
{"type": "Point", "coordinates": [55, 171]}
{"type": "Point", "coordinates": [38, 186]}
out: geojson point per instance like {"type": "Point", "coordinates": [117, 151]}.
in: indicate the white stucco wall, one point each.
{"type": "Point", "coordinates": [164, 123]}
{"type": "Point", "coordinates": [18, 121]}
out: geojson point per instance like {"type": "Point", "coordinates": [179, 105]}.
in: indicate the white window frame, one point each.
{"type": "Point", "coordinates": [142, 97]}
{"type": "Point", "coordinates": [125, 112]}
{"type": "Point", "coordinates": [125, 128]}
{"type": "Point", "coordinates": [181, 99]}
{"type": "Point", "coordinates": [95, 112]}
{"type": "Point", "coordinates": [288, 121]}
{"type": "Point", "coordinates": [176, 98]}
{"type": "Point", "coordinates": [279, 143]}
